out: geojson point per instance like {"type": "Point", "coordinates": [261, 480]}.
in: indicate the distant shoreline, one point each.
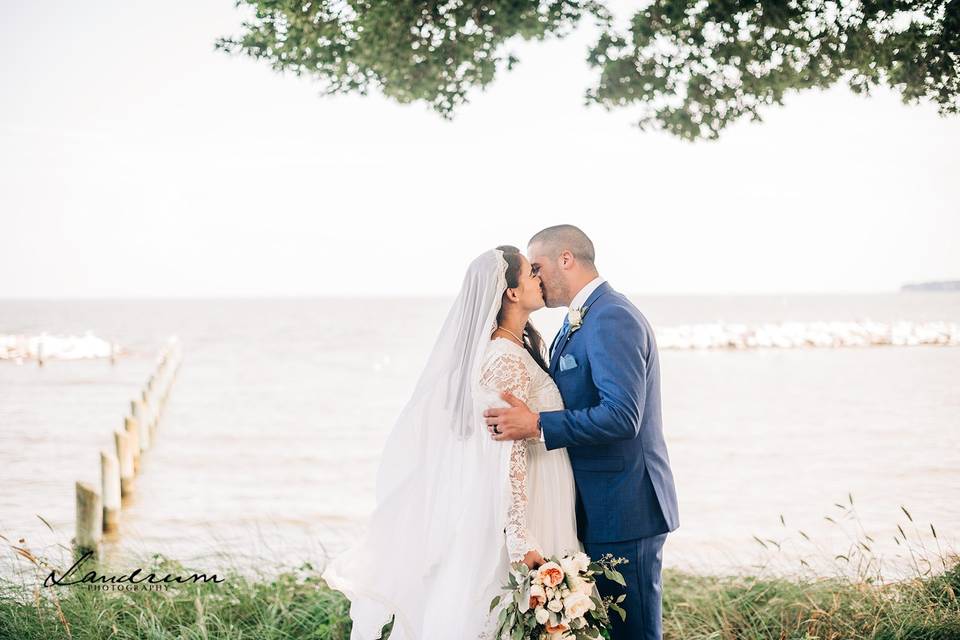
{"type": "Point", "coordinates": [943, 285]}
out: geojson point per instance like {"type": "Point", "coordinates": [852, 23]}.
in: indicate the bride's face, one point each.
{"type": "Point", "coordinates": [528, 290]}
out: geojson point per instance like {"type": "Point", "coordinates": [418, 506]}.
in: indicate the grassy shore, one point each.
{"type": "Point", "coordinates": [297, 604]}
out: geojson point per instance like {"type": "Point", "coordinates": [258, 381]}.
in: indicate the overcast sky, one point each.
{"type": "Point", "coordinates": [137, 161]}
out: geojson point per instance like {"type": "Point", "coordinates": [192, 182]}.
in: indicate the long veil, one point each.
{"type": "Point", "coordinates": [434, 552]}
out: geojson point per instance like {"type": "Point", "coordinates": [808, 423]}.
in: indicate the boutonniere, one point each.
{"type": "Point", "coordinates": [576, 317]}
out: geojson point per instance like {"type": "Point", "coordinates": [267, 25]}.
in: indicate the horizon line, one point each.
{"type": "Point", "coordinates": [382, 296]}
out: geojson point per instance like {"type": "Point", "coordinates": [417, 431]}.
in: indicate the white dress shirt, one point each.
{"type": "Point", "coordinates": [581, 298]}
{"type": "Point", "coordinates": [578, 301]}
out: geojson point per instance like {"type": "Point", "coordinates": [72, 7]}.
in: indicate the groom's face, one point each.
{"type": "Point", "coordinates": [551, 277]}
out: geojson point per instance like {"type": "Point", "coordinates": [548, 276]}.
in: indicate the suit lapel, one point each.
{"type": "Point", "coordinates": [560, 342]}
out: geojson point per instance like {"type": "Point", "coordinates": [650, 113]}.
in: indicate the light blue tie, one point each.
{"type": "Point", "coordinates": [563, 333]}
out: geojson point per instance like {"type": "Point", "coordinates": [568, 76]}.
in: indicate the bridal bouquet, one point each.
{"type": "Point", "coordinates": [558, 600]}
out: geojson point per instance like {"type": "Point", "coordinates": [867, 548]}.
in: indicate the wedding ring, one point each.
{"type": "Point", "coordinates": [496, 428]}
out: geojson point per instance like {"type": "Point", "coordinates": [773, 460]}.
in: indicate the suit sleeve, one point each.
{"type": "Point", "coordinates": [618, 366]}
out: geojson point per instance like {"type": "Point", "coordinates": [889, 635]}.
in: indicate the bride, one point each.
{"type": "Point", "coordinates": [455, 508]}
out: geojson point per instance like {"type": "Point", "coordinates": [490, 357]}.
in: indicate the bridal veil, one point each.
{"type": "Point", "coordinates": [435, 540]}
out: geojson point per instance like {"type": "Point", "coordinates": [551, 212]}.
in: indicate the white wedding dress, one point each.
{"type": "Point", "coordinates": [453, 506]}
{"type": "Point", "coordinates": [541, 514]}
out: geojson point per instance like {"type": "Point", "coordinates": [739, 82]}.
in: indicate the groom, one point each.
{"type": "Point", "coordinates": [604, 361]}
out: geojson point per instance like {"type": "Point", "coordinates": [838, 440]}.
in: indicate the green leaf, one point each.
{"type": "Point", "coordinates": [615, 576]}
{"type": "Point", "coordinates": [620, 611]}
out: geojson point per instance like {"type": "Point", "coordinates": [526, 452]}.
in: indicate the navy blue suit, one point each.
{"type": "Point", "coordinates": [613, 432]}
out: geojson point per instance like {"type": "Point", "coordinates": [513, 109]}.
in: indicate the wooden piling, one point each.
{"type": "Point", "coordinates": [151, 414]}
{"type": "Point", "coordinates": [132, 427]}
{"type": "Point", "coordinates": [89, 519]}
{"type": "Point", "coordinates": [110, 490]}
{"type": "Point", "coordinates": [99, 513]}
{"type": "Point", "coordinates": [125, 458]}
{"type": "Point", "coordinates": [140, 415]}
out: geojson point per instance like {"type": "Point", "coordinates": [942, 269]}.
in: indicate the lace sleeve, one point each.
{"type": "Point", "coordinates": [508, 372]}
{"type": "Point", "coordinates": [519, 540]}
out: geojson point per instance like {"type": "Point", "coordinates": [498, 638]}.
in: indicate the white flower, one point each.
{"type": "Point", "coordinates": [582, 561]}
{"type": "Point", "coordinates": [576, 318]}
{"type": "Point", "coordinates": [579, 585]}
{"type": "Point", "coordinates": [542, 615]}
{"type": "Point", "coordinates": [585, 587]}
{"type": "Point", "coordinates": [555, 605]}
{"type": "Point", "coordinates": [570, 566]}
{"type": "Point", "coordinates": [577, 604]}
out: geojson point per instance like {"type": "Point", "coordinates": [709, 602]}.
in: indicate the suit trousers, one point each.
{"type": "Point", "coordinates": [642, 573]}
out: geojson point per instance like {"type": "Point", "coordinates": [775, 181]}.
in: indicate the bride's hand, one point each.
{"type": "Point", "coordinates": [533, 559]}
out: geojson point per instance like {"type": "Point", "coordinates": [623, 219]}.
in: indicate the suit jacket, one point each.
{"type": "Point", "coordinates": [611, 424]}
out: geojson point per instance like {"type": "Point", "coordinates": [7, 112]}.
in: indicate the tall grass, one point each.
{"type": "Point", "coordinates": [293, 604]}
{"type": "Point", "coordinates": [748, 608]}
{"type": "Point", "coordinates": [853, 603]}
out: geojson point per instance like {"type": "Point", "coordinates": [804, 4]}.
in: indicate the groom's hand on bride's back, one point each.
{"type": "Point", "coordinates": [515, 422]}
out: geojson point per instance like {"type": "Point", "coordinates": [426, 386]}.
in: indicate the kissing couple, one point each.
{"type": "Point", "coordinates": [508, 452]}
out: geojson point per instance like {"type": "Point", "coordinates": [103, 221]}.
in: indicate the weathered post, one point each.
{"type": "Point", "coordinates": [132, 427]}
{"type": "Point", "coordinates": [140, 415]}
{"type": "Point", "coordinates": [151, 414]}
{"type": "Point", "coordinates": [125, 458]}
{"type": "Point", "coordinates": [110, 490]}
{"type": "Point", "coordinates": [89, 519]}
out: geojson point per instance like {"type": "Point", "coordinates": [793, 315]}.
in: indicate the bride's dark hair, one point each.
{"type": "Point", "coordinates": [532, 340]}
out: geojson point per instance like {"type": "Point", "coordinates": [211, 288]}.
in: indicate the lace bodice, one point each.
{"type": "Point", "coordinates": [509, 367]}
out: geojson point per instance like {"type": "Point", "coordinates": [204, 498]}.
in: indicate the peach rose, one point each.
{"type": "Point", "coordinates": [550, 574]}
{"type": "Point", "coordinates": [537, 596]}
{"type": "Point", "coordinates": [560, 628]}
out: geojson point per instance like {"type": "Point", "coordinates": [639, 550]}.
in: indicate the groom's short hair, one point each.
{"type": "Point", "coordinates": [566, 236]}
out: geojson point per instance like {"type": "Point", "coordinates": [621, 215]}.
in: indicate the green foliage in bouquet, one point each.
{"type": "Point", "coordinates": [560, 595]}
